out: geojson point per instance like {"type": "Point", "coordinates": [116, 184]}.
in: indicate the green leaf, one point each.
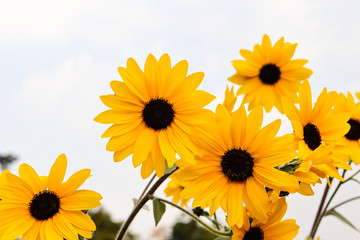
{"type": "Point", "coordinates": [159, 209]}
{"type": "Point", "coordinates": [291, 166]}
{"type": "Point", "coordinates": [222, 238]}
{"type": "Point", "coordinates": [169, 169]}
{"type": "Point", "coordinates": [145, 207]}
{"type": "Point", "coordinates": [341, 218]}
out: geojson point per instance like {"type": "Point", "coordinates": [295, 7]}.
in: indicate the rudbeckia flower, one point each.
{"type": "Point", "coordinates": [274, 228]}
{"type": "Point", "coordinates": [44, 207]}
{"type": "Point", "coordinates": [351, 150]}
{"type": "Point", "coordinates": [239, 160]}
{"type": "Point", "coordinates": [269, 73]}
{"type": "Point", "coordinates": [152, 113]}
{"type": "Point", "coordinates": [316, 127]}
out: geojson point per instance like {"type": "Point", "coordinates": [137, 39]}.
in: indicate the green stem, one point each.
{"type": "Point", "coordinates": [316, 225]}
{"type": "Point", "coordinates": [352, 176]}
{"type": "Point", "coordinates": [214, 221]}
{"type": "Point", "coordinates": [196, 218]}
{"type": "Point", "coordinates": [318, 214]}
{"type": "Point", "coordinates": [147, 186]}
{"type": "Point", "coordinates": [140, 204]}
{"type": "Point", "coordinates": [342, 203]}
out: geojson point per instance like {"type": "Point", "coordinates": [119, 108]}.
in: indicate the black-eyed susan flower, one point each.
{"type": "Point", "coordinates": [44, 207]}
{"type": "Point", "coordinates": [269, 73]}
{"type": "Point", "coordinates": [152, 113]}
{"type": "Point", "coordinates": [239, 160]}
{"type": "Point", "coordinates": [318, 126]}
{"type": "Point", "coordinates": [273, 229]}
{"type": "Point", "coordinates": [174, 188]}
{"type": "Point", "coordinates": [351, 150]}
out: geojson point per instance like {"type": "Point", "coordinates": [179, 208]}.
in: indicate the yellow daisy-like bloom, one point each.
{"type": "Point", "coordinates": [318, 127]}
{"type": "Point", "coordinates": [358, 95]}
{"type": "Point", "coordinates": [239, 160]}
{"type": "Point", "coordinates": [44, 207]}
{"type": "Point", "coordinates": [352, 138]}
{"type": "Point", "coordinates": [174, 189]}
{"type": "Point", "coordinates": [268, 73]}
{"type": "Point", "coordinates": [152, 113]}
{"type": "Point", "coordinates": [273, 229]}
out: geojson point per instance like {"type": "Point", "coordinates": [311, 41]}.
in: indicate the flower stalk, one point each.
{"type": "Point", "coordinates": [142, 201]}
{"type": "Point", "coordinates": [193, 216]}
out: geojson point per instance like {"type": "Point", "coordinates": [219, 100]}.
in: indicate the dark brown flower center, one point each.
{"type": "Point", "coordinates": [269, 74]}
{"type": "Point", "coordinates": [255, 233]}
{"type": "Point", "coordinates": [158, 114]}
{"type": "Point", "coordinates": [44, 205]}
{"type": "Point", "coordinates": [354, 132]}
{"type": "Point", "coordinates": [312, 136]}
{"type": "Point", "coordinates": [237, 164]}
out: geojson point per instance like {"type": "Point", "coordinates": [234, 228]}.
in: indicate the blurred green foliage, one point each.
{"type": "Point", "coordinates": [190, 231]}
{"type": "Point", "coordinates": [106, 228]}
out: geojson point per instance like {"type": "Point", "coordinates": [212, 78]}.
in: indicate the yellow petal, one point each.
{"type": "Point", "coordinates": [79, 219]}
{"type": "Point", "coordinates": [63, 227]}
{"type": "Point", "coordinates": [143, 146]}
{"type": "Point", "coordinates": [147, 168]}
{"type": "Point", "coordinates": [74, 182]}
{"type": "Point", "coordinates": [235, 205]}
{"type": "Point", "coordinates": [80, 200]}
{"type": "Point", "coordinates": [50, 231]}
{"type": "Point", "coordinates": [57, 173]}
{"type": "Point", "coordinates": [33, 232]}
{"type": "Point", "coordinates": [275, 179]}
{"type": "Point", "coordinates": [257, 200]}
{"type": "Point", "coordinates": [120, 155]}
{"type": "Point", "coordinates": [29, 175]}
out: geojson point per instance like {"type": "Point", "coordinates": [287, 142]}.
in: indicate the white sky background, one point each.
{"type": "Point", "coordinates": [57, 58]}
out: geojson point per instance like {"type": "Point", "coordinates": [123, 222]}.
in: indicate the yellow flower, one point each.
{"type": "Point", "coordinates": [358, 95]}
{"type": "Point", "coordinates": [318, 127]}
{"type": "Point", "coordinates": [352, 147]}
{"type": "Point", "coordinates": [44, 207]}
{"type": "Point", "coordinates": [274, 228]}
{"type": "Point", "coordinates": [174, 189]}
{"type": "Point", "coordinates": [268, 73]}
{"type": "Point", "coordinates": [239, 160]}
{"type": "Point", "coordinates": [152, 113]}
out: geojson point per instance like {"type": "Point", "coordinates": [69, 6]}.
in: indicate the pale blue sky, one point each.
{"type": "Point", "coordinates": [57, 58]}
